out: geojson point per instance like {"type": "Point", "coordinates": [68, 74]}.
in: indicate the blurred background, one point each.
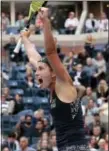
{"type": "Point", "coordinates": [77, 26]}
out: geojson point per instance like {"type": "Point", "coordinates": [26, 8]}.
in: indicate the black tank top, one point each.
{"type": "Point", "coordinates": [68, 122]}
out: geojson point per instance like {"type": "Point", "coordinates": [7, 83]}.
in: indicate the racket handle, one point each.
{"type": "Point", "coordinates": [17, 48]}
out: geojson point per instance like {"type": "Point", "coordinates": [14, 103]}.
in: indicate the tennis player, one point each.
{"type": "Point", "coordinates": [64, 101]}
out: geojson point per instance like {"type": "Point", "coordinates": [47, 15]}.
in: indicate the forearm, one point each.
{"type": "Point", "coordinates": [31, 51]}
{"type": "Point", "coordinates": [48, 38]}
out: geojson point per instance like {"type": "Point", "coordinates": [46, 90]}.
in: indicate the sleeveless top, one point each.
{"type": "Point", "coordinates": [68, 122]}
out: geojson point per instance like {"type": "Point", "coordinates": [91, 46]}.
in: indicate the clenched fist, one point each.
{"type": "Point", "coordinates": [43, 14]}
{"type": "Point", "coordinates": [25, 33]}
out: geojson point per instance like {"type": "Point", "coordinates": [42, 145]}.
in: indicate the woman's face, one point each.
{"type": "Point", "coordinates": [44, 75]}
{"type": "Point", "coordinates": [93, 140]}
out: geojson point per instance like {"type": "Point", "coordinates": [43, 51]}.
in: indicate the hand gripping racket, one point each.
{"type": "Point", "coordinates": [33, 10]}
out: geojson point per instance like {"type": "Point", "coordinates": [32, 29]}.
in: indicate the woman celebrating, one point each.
{"type": "Point", "coordinates": [65, 104]}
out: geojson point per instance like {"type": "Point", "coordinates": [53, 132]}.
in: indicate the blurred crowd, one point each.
{"type": "Point", "coordinates": [92, 24]}
{"type": "Point", "coordinates": [26, 121]}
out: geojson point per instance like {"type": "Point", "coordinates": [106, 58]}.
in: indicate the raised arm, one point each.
{"type": "Point", "coordinates": [51, 51]}
{"type": "Point", "coordinates": [31, 51]}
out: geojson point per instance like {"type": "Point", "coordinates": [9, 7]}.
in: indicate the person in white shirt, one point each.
{"type": "Point", "coordinates": [91, 24]}
{"type": "Point", "coordinates": [103, 23]}
{"type": "Point", "coordinates": [71, 23]}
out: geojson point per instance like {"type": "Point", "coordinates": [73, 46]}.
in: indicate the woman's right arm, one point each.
{"type": "Point", "coordinates": [31, 51]}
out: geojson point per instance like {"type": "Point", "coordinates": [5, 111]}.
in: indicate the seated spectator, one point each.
{"type": "Point", "coordinates": [45, 136]}
{"type": "Point", "coordinates": [97, 133]}
{"type": "Point", "coordinates": [26, 127]}
{"type": "Point", "coordinates": [103, 22]}
{"type": "Point", "coordinates": [102, 91]}
{"type": "Point", "coordinates": [97, 122]}
{"type": "Point", "coordinates": [83, 56]}
{"type": "Point", "coordinates": [92, 73]}
{"type": "Point", "coordinates": [71, 23]}
{"type": "Point", "coordinates": [67, 61]}
{"type": "Point", "coordinates": [89, 95]}
{"type": "Point", "coordinates": [5, 22]}
{"type": "Point", "coordinates": [24, 145]}
{"type": "Point", "coordinates": [6, 106]}
{"type": "Point", "coordinates": [89, 46]}
{"type": "Point", "coordinates": [93, 143]}
{"type": "Point", "coordinates": [101, 65]}
{"type": "Point", "coordinates": [91, 24]}
{"type": "Point", "coordinates": [29, 81]}
{"type": "Point", "coordinates": [18, 105]}
{"type": "Point", "coordinates": [44, 145]}
{"type": "Point", "coordinates": [39, 128]}
{"type": "Point", "coordinates": [101, 144]}
{"type": "Point", "coordinates": [11, 142]}
{"type": "Point", "coordinates": [20, 22]}
{"type": "Point", "coordinates": [91, 108]}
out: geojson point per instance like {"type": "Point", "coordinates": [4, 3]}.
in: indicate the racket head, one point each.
{"type": "Point", "coordinates": [35, 7]}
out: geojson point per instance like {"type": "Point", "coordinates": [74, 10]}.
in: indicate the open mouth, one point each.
{"type": "Point", "coordinates": [40, 82]}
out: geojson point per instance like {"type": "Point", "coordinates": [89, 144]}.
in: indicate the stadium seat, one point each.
{"type": "Point", "coordinates": [6, 124]}
{"type": "Point", "coordinates": [17, 91]}
{"type": "Point", "coordinates": [12, 84]}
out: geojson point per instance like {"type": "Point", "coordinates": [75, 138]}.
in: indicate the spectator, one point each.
{"type": "Point", "coordinates": [93, 143]}
{"type": "Point", "coordinates": [103, 22]}
{"type": "Point", "coordinates": [5, 22]}
{"type": "Point", "coordinates": [29, 81]}
{"type": "Point", "coordinates": [71, 23]}
{"type": "Point", "coordinates": [39, 128]}
{"type": "Point", "coordinates": [6, 106]}
{"type": "Point", "coordinates": [89, 46]}
{"type": "Point", "coordinates": [26, 127]}
{"type": "Point", "coordinates": [24, 145]}
{"type": "Point", "coordinates": [102, 89]}
{"type": "Point", "coordinates": [92, 73]}
{"type": "Point", "coordinates": [45, 136]}
{"type": "Point", "coordinates": [91, 108]}
{"type": "Point", "coordinates": [91, 24]}
{"type": "Point", "coordinates": [18, 105]}
{"type": "Point", "coordinates": [11, 142]}
{"type": "Point", "coordinates": [44, 144]}
{"type": "Point", "coordinates": [97, 132]}
{"type": "Point", "coordinates": [89, 95]}
{"type": "Point", "coordinates": [101, 144]}
{"type": "Point", "coordinates": [6, 93]}
{"type": "Point", "coordinates": [97, 122]}
{"type": "Point", "coordinates": [20, 22]}
{"type": "Point", "coordinates": [101, 65]}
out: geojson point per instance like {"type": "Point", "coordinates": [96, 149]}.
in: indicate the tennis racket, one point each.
{"type": "Point", "coordinates": [33, 11]}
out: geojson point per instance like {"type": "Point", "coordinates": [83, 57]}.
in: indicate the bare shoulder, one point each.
{"type": "Point", "coordinates": [66, 92]}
